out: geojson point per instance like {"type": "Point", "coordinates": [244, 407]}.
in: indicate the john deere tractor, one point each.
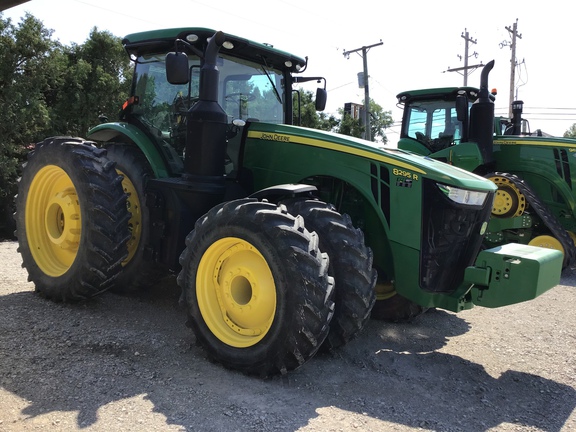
{"type": "Point", "coordinates": [285, 239]}
{"type": "Point", "coordinates": [535, 202]}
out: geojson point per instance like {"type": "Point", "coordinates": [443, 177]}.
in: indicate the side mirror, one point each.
{"type": "Point", "coordinates": [177, 68]}
{"type": "Point", "coordinates": [321, 97]}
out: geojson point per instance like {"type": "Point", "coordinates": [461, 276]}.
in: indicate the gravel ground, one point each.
{"type": "Point", "coordinates": [128, 363]}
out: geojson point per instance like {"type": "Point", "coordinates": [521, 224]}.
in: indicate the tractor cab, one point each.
{"type": "Point", "coordinates": [431, 121]}
{"type": "Point", "coordinates": [254, 84]}
{"type": "Point", "coordinates": [437, 120]}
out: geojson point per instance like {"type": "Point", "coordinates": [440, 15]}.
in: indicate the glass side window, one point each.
{"type": "Point", "coordinates": [247, 91]}
{"type": "Point", "coordinates": [160, 102]}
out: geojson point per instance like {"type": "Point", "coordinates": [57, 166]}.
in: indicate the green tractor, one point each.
{"type": "Point", "coordinates": [535, 203]}
{"type": "Point", "coordinates": [286, 240]}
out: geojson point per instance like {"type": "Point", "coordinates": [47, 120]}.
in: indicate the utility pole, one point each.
{"type": "Point", "coordinates": [364, 55]}
{"type": "Point", "coordinates": [515, 35]}
{"type": "Point", "coordinates": [468, 39]}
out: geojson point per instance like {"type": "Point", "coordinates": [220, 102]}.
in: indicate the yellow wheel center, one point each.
{"type": "Point", "coordinates": [502, 202]}
{"type": "Point", "coordinates": [62, 220]}
{"type": "Point", "coordinates": [236, 292]}
{"type": "Point", "coordinates": [508, 200]}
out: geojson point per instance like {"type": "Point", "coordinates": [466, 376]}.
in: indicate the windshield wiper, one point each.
{"type": "Point", "coordinates": [271, 80]}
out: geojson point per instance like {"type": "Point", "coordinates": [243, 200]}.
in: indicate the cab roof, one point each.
{"type": "Point", "coordinates": [446, 93]}
{"type": "Point", "coordinates": [163, 40]}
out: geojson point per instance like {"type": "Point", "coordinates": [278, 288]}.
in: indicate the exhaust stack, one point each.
{"type": "Point", "coordinates": [482, 118]}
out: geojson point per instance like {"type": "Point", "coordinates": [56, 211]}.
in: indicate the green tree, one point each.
{"type": "Point", "coordinates": [26, 68]}
{"type": "Point", "coordinates": [309, 117]}
{"type": "Point", "coordinates": [379, 121]}
{"type": "Point", "coordinates": [25, 71]}
{"type": "Point", "coordinates": [48, 89]}
{"type": "Point", "coordinates": [94, 81]}
{"type": "Point", "coordinates": [350, 126]}
{"type": "Point", "coordinates": [571, 133]}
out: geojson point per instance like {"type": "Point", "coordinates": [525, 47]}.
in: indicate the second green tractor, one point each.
{"type": "Point", "coordinates": [535, 203]}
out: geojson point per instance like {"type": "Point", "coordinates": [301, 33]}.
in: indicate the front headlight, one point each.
{"type": "Point", "coordinates": [463, 196]}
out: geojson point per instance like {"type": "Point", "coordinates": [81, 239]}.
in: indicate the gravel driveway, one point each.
{"type": "Point", "coordinates": [128, 363]}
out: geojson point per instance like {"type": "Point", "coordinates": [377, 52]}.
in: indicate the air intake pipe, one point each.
{"type": "Point", "coordinates": [207, 121]}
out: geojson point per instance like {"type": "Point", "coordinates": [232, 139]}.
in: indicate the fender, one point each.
{"type": "Point", "coordinates": [107, 132]}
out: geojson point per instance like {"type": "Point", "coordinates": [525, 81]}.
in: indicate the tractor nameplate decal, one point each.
{"type": "Point", "coordinates": [295, 139]}
{"type": "Point", "coordinates": [571, 147]}
{"type": "Point", "coordinates": [406, 174]}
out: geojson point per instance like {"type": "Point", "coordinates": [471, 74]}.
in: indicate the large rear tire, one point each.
{"type": "Point", "coordinates": [350, 266]}
{"type": "Point", "coordinates": [137, 272]}
{"type": "Point", "coordinates": [72, 221]}
{"type": "Point", "coordinates": [257, 288]}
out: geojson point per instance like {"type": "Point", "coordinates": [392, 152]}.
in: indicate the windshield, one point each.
{"type": "Point", "coordinates": [434, 124]}
{"type": "Point", "coordinates": [247, 91]}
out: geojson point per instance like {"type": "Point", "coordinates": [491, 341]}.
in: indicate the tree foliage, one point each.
{"type": "Point", "coordinates": [350, 126]}
{"type": "Point", "coordinates": [308, 115]}
{"type": "Point", "coordinates": [49, 89]}
{"type": "Point", "coordinates": [346, 125]}
{"type": "Point", "coordinates": [379, 121]}
{"type": "Point", "coordinates": [571, 133]}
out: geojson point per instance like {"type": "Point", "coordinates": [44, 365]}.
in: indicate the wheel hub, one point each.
{"type": "Point", "coordinates": [62, 220]}
{"type": "Point", "coordinates": [508, 200]}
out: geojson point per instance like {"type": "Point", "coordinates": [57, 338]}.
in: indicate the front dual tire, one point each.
{"type": "Point", "coordinates": [257, 288]}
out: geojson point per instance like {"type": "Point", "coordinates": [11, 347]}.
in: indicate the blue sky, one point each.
{"type": "Point", "coordinates": [421, 41]}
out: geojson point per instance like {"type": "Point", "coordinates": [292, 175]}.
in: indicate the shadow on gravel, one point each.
{"type": "Point", "coordinates": [79, 358]}
{"type": "Point", "coordinates": [407, 380]}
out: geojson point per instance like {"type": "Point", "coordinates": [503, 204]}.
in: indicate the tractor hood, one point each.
{"type": "Point", "coordinates": [405, 162]}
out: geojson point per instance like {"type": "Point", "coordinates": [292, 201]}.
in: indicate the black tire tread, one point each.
{"type": "Point", "coordinates": [138, 274]}
{"type": "Point", "coordinates": [104, 219]}
{"type": "Point", "coordinates": [350, 265]}
{"type": "Point", "coordinates": [297, 334]}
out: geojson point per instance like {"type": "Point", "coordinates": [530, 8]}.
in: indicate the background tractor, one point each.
{"type": "Point", "coordinates": [285, 239]}
{"type": "Point", "coordinates": [535, 202]}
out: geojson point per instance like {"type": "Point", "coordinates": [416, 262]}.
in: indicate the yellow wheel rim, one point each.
{"type": "Point", "coordinates": [384, 291]}
{"type": "Point", "coordinates": [135, 222]}
{"type": "Point", "coordinates": [547, 241]}
{"type": "Point", "coordinates": [53, 220]}
{"type": "Point", "coordinates": [508, 201]}
{"type": "Point", "coordinates": [236, 292]}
